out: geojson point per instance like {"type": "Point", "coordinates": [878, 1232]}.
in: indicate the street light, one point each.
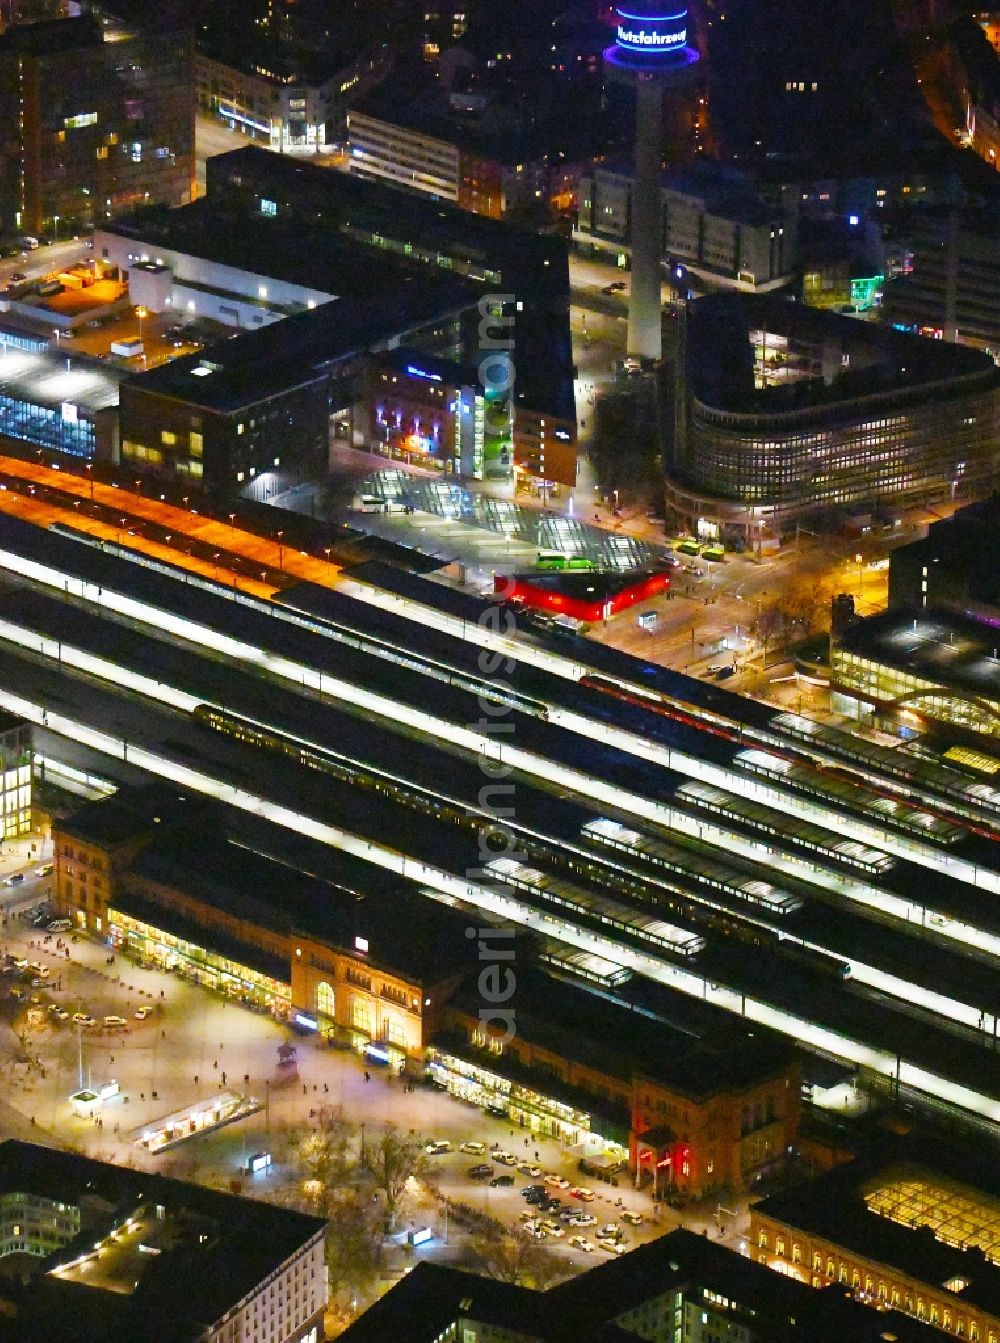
{"type": "Point", "coordinates": [858, 560]}
{"type": "Point", "coordinates": [281, 551]}
{"type": "Point", "coordinates": [90, 477]}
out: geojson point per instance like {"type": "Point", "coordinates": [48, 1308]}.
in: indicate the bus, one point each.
{"type": "Point", "coordinates": [556, 561]}
{"type": "Point", "coordinates": [688, 548]}
{"type": "Point", "coordinates": [716, 553]}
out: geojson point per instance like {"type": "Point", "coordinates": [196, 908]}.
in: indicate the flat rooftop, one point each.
{"type": "Point", "coordinates": [134, 814]}
{"type": "Point", "coordinates": [612, 1037]}
{"type": "Point", "coordinates": [402, 930]}
{"type": "Point", "coordinates": [720, 363]}
{"type": "Point", "coordinates": [233, 374]}
{"type": "Point", "coordinates": [218, 1246]}
{"type": "Point", "coordinates": [296, 251]}
{"type": "Point", "coordinates": [934, 644]}
{"type": "Point", "coordinates": [53, 379]}
{"type": "Point", "coordinates": [929, 1210]}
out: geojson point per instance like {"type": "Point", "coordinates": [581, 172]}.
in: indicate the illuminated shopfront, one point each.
{"type": "Point", "coordinates": [15, 777]}
{"type": "Point", "coordinates": [532, 1110]}
{"type": "Point", "coordinates": [168, 951]}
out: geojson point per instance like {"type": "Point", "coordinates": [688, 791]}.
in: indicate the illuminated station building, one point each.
{"type": "Point", "coordinates": [651, 55]}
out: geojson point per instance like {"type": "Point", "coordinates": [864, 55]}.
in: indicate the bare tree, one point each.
{"type": "Point", "coordinates": [324, 1155]}
{"type": "Point", "coordinates": [391, 1159]}
{"type": "Point", "coordinates": [353, 1245]}
{"type": "Point", "coordinates": [514, 1257]}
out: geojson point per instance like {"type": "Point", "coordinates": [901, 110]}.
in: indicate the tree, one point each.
{"type": "Point", "coordinates": [391, 1159]}
{"type": "Point", "coordinates": [324, 1155]}
{"type": "Point", "coordinates": [353, 1245]}
{"type": "Point", "coordinates": [513, 1257]}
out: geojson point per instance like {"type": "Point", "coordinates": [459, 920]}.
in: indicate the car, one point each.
{"type": "Point", "coordinates": [497, 1111]}
{"type": "Point", "coordinates": [532, 1172]}
{"type": "Point", "coordinates": [581, 1243]}
{"type": "Point", "coordinates": [610, 1246]}
{"type": "Point", "coordinates": [582, 1219]}
{"type": "Point", "coordinates": [725, 673]}
{"type": "Point", "coordinates": [584, 1195]}
{"type": "Point", "coordinates": [473, 1148]}
{"type": "Point", "coordinates": [566, 1214]}
{"type": "Point", "coordinates": [535, 1232]}
{"type": "Point", "coordinates": [42, 971]}
{"type": "Point", "coordinates": [617, 286]}
{"type": "Point", "coordinates": [18, 276]}
{"type": "Point", "coordinates": [58, 926]}
{"type": "Point", "coordinates": [504, 1158]}
{"type": "Point", "coordinates": [142, 1013]}
{"type": "Point", "coordinates": [82, 1019]}
{"type": "Point", "coordinates": [632, 1218]}
{"type": "Point", "coordinates": [551, 1205]}
{"type": "Point", "coordinates": [557, 1181]}
{"type": "Point", "coordinates": [500, 1181]}
{"type": "Point", "coordinates": [438, 1147]}
{"type": "Point", "coordinates": [610, 1232]}
{"type": "Point", "coordinates": [45, 870]}
{"type": "Point", "coordinates": [553, 1229]}
{"type": "Point", "coordinates": [37, 983]}
{"type": "Point", "coordinates": [59, 1013]}
{"type": "Point", "coordinates": [113, 1023]}
{"type": "Point", "coordinates": [534, 1194]}
{"type": "Point", "coordinates": [14, 879]}
{"type": "Point", "coordinates": [479, 1172]}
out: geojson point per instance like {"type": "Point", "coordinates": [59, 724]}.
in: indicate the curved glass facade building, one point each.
{"type": "Point", "coordinates": [786, 410]}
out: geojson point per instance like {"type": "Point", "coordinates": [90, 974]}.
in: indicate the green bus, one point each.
{"type": "Point", "coordinates": [555, 560]}
{"type": "Point", "coordinates": [688, 548]}
{"type": "Point", "coordinates": [716, 553]}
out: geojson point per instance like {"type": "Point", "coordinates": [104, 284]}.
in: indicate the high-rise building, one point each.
{"type": "Point", "coordinates": [100, 119]}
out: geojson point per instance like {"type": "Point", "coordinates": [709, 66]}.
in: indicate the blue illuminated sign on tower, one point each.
{"type": "Point", "coordinates": [650, 30]}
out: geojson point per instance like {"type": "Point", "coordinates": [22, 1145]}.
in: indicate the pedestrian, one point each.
{"type": "Point", "coordinates": [367, 1076]}
{"type": "Point", "coordinates": [536, 1155]}
{"type": "Point", "coordinates": [163, 1035]}
{"type": "Point", "coordinates": [305, 1089]}
{"type": "Point", "coordinates": [326, 1089]}
{"type": "Point", "coordinates": [215, 1063]}
{"type": "Point", "coordinates": [196, 1079]}
{"type": "Point", "coordinates": [223, 1079]}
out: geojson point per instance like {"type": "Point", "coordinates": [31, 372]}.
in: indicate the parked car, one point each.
{"type": "Point", "coordinates": [581, 1243]}
{"type": "Point", "coordinates": [584, 1195]}
{"type": "Point", "coordinates": [553, 1229]}
{"type": "Point", "coordinates": [113, 1023]}
{"type": "Point", "coordinates": [479, 1172]}
{"type": "Point", "coordinates": [473, 1148]}
{"type": "Point", "coordinates": [534, 1193]}
{"type": "Point", "coordinates": [438, 1147]}
{"type": "Point", "coordinates": [45, 870]}
{"type": "Point", "coordinates": [14, 879]}
{"type": "Point", "coordinates": [82, 1019]}
{"type": "Point", "coordinates": [582, 1219]}
{"type": "Point", "coordinates": [533, 1172]}
{"type": "Point", "coordinates": [610, 1246]}
{"type": "Point", "coordinates": [632, 1218]}
{"type": "Point", "coordinates": [499, 1181]}
{"type": "Point", "coordinates": [143, 1013]}
{"type": "Point", "coordinates": [59, 926]}
{"type": "Point", "coordinates": [557, 1181]}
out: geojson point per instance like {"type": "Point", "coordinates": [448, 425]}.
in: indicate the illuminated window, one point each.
{"type": "Point", "coordinates": [325, 1002]}
{"type": "Point", "coordinates": [168, 437]}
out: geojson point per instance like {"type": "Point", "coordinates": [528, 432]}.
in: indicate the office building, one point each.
{"type": "Point", "coordinates": [477, 150]}
{"type": "Point", "coordinates": [909, 1227]}
{"type": "Point", "coordinates": [680, 1286]}
{"type": "Point", "coordinates": [953, 289]}
{"type": "Point", "coordinates": [715, 231]}
{"type": "Point", "coordinates": [913, 665]}
{"type": "Point", "coordinates": [788, 410]}
{"type": "Point", "coordinates": [104, 1253]}
{"type": "Point", "coordinates": [16, 764]}
{"type": "Point", "coordinates": [522, 279]}
{"type": "Point", "coordinates": [956, 564]}
{"type": "Point", "coordinates": [103, 121]}
{"type": "Point", "coordinates": [293, 106]}
{"type": "Point", "coordinates": [432, 412]}
{"type": "Point", "coordinates": [311, 308]}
